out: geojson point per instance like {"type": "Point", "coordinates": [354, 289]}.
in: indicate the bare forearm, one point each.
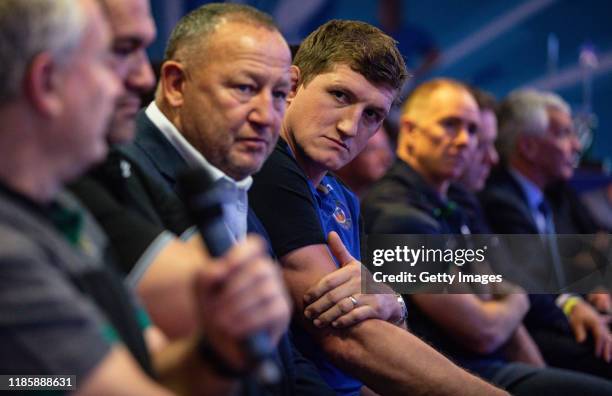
{"type": "Point", "coordinates": [522, 348]}
{"type": "Point", "coordinates": [503, 316]}
{"type": "Point", "coordinates": [490, 324]}
{"type": "Point", "coordinates": [388, 359]}
{"type": "Point", "coordinates": [392, 361]}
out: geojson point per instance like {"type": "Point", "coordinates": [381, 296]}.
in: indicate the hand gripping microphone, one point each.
{"type": "Point", "coordinates": [204, 203]}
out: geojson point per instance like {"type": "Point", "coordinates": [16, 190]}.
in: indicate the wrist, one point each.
{"type": "Point", "coordinates": [219, 365]}
{"type": "Point", "coordinates": [400, 312]}
{"type": "Point", "coordinates": [570, 304]}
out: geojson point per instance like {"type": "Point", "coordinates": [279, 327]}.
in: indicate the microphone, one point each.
{"type": "Point", "coordinates": [204, 203]}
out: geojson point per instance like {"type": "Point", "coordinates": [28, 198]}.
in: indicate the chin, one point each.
{"type": "Point", "coordinates": [453, 174]}
{"type": "Point", "coordinates": [121, 132]}
{"type": "Point", "coordinates": [244, 170]}
{"type": "Point", "coordinates": [477, 186]}
{"type": "Point", "coordinates": [567, 175]}
{"type": "Point", "coordinates": [85, 163]}
{"type": "Point", "coordinates": [335, 163]}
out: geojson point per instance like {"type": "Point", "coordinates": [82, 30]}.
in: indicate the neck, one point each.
{"type": "Point", "coordinates": [26, 166]}
{"type": "Point", "coordinates": [313, 172]}
{"type": "Point", "coordinates": [171, 113]}
{"type": "Point", "coordinates": [24, 170]}
{"type": "Point", "coordinates": [31, 184]}
{"type": "Point", "coordinates": [438, 185]}
{"type": "Point", "coordinates": [358, 189]}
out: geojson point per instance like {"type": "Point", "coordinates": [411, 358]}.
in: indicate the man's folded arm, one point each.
{"type": "Point", "coordinates": [490, 324]}
{"type": "Point", "coordinates": [388, 359]}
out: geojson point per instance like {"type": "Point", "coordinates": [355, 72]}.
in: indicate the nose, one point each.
{"type": "Point", "coordinates": [348, 124]}
{"type": "Point", "coordinates": [140, 76]}
{"type": "Point", "coordinates": [266, 112]}
{"type": "Point", "coordinates": [576, 146]}
{"type": "Point", "coordinates": [464, 138]}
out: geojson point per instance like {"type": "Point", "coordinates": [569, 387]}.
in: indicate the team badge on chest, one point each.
{"type": "Point", "coordinates": [341, 216]}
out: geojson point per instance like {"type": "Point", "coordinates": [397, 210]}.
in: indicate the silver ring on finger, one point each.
{"type": "Point", "coordinates": [354, 301]}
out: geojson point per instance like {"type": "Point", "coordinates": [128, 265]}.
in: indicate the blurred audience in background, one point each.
{"type": "Point", "coordinates": [599, 202]}
{"type": "Point", "coordinates": [415, 43]}
{"type": "Point", "coordinates": [484, 332]}
{"type": "Point", "coordinates": [476, 171]}
{"type": "Point", "coordinates": [485, 155]}
{"type": "Point", "coordinates": [538, 147]}
{"type": "Point", "coordinates": [369, 165]}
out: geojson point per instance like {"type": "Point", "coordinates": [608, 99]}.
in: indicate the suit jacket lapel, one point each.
{"type": "Point", "coordinates": [160, 151]}
{"type": "Point", "coordinates": [522, 203]}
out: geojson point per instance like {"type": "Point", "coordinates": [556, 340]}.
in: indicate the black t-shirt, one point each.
{"type": "Point", "coordinates": [297, 215]}
{"type": "Point", "coordinates": [422, 211]}
{"type": "Point", "coordinates": [294, 224]}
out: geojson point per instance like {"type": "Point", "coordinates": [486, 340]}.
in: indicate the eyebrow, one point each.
{"type": "Point", "coordinates": [353, 97]}
{"type": "Point", "coordinates": [258, 77]}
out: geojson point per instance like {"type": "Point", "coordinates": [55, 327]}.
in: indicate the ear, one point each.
{"type": "Point", "coordinates": [42, 84]}
{"type": "Point", "coordinates": [404, 137]}
{"type": "Point", "coordinates": [172, 79]}
{"type": "Point", "coordinates": [294, 75]}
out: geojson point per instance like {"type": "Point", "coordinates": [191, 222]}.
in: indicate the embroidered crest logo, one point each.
{"type": "Point", "coordinates": [341, 217]}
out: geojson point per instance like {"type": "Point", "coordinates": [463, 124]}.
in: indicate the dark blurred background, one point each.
{"type": "Point", "coordinates": [498, 45]}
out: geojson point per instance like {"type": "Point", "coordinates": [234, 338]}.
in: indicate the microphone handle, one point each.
{"type": "Point", "coordinates": [258, 346]}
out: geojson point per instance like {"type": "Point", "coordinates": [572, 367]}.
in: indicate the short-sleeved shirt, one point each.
{"type": "Point", "coordinates": [297, 214]}
{"type": "Point", "coordinates": [50, 320]}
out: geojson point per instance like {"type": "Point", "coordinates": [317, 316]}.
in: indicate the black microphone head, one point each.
{"type": "Point", "coordinates": [203, 201]}
{"type": "Point", "coordinates": [194, 181]}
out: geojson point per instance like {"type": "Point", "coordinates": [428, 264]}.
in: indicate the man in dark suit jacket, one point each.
{"type": "Point", "coordinates": [139, 211]}
{"type": "Point", "coordinates": [538, 146]}
{"type": "Point", "coordinates": [158, 165]}
{"type": "Point", "coordinates": [222, 116]}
